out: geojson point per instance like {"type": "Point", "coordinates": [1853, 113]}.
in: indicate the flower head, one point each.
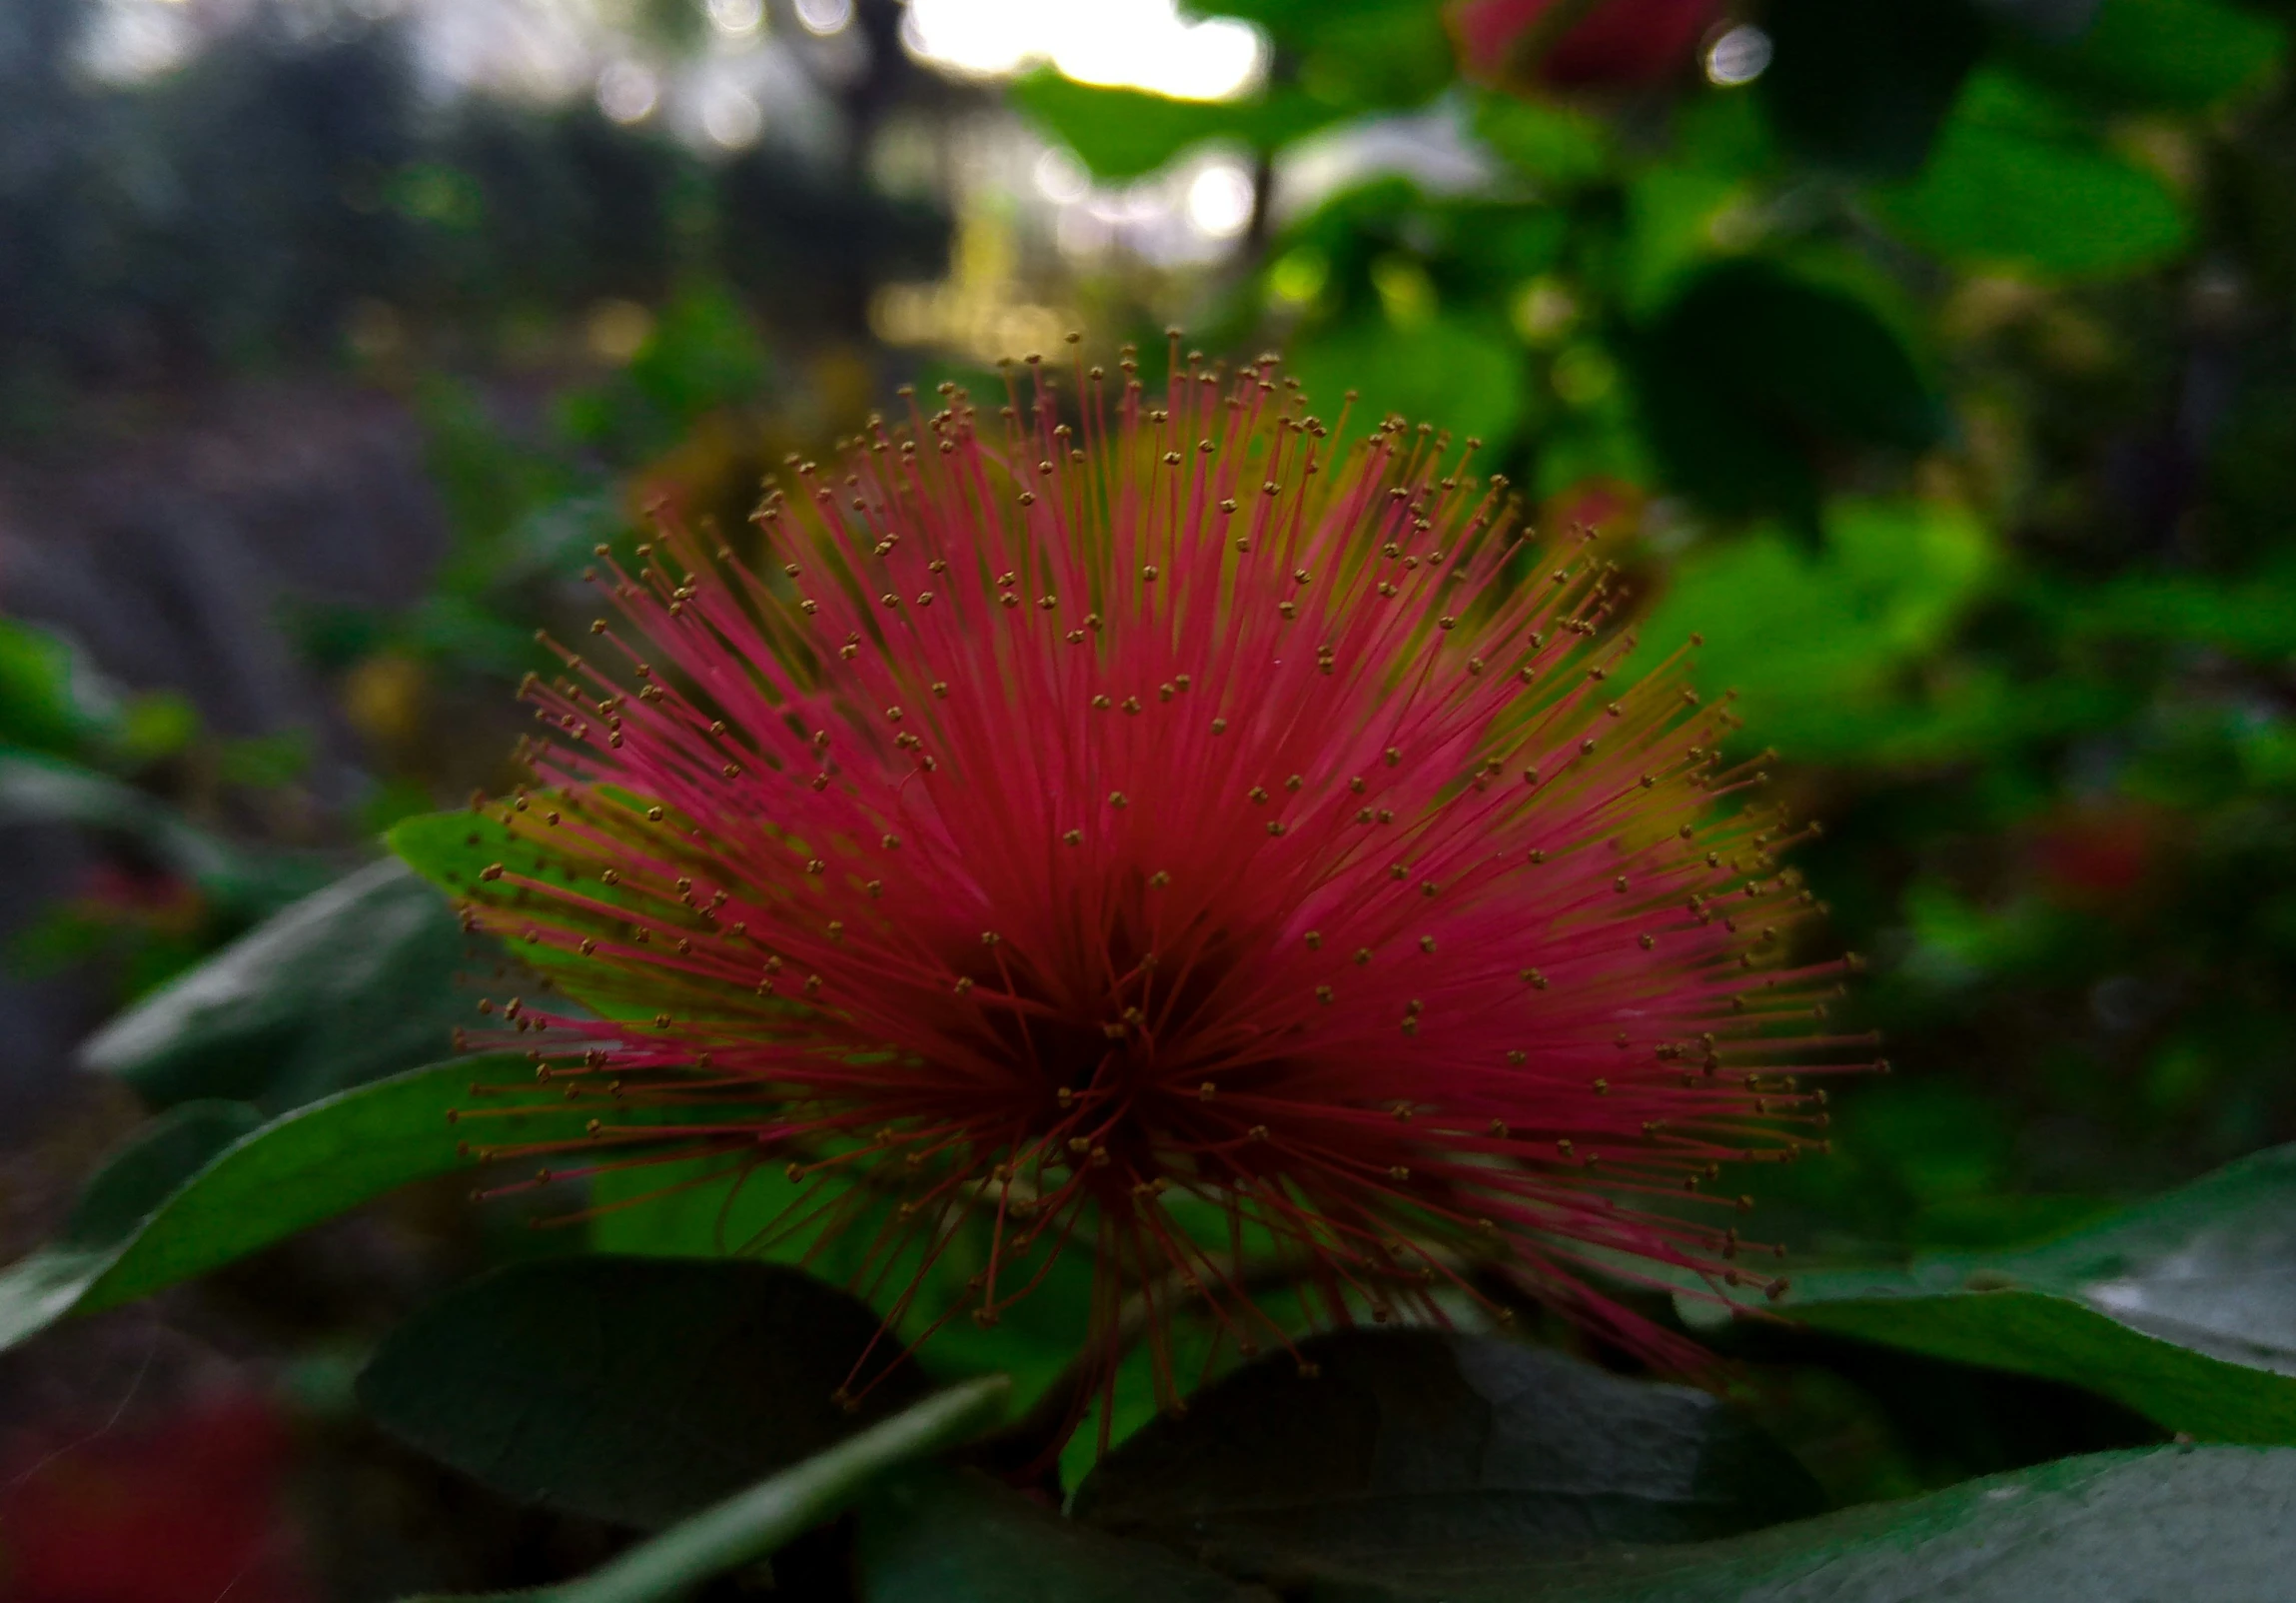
{"type": "Point", "coordinates": [1134, 823]}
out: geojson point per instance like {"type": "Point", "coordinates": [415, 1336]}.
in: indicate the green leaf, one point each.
{"type": "Point", "coordinates": [158, 1214]}
{"type": "Point", "coordinates": [136, 1179]}
{"type": "Point", "coordinates": [1393, 55]}
{"type": "Point", "coordinates": [449, 848]}
{"type": "Point", "coordinates": [1455, 372]}
{"type": "Point", "coordinates": [1817, 644]}
{"type": "Point", "coordinates": [2057, 1338]}
{"type": "Point", "coordinates": [1866, 86]}
{"type": "Point", "coordinates": [2251, 616]}
{"type": "Point", "coordinates": [38, 705]}
{"type": "Point", "coordinates": [2180, 55]}
{"type": "Point", "coordinates": [1751, 371]}
{"type": "Point", "coordinates": [2182, 1308]}
{"type": "Point", "coordinates": [1548, 144]}
{"type": "Point", "coordinates": [2199, 1525]}
{"type": "Point", "coordinates": [453, 849]}
{"type": "Point", "coordinates": [751, 1524]}
{"type": "Point", "coordinates": [2013, 184]}
{"type": "Point", "coordinates": [631, 1389]}
{"type": "Point", "coordinates": [1673, 215]}
{"type": "Point", "coordinates": [958, 1537]}
{"type": "Point", "coordinates": [348, 985]}
{"type": "Point", "coordinates": [1124, 134]}
{"type": "Point", "coordinates": [1418, 1459]}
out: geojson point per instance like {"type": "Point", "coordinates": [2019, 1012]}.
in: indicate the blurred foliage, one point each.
{"type": "Point", "coordinates": [168, 885]}
{"type": "Point", "coordinates": [257, 203]}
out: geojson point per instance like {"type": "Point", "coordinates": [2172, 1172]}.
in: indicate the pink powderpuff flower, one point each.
{"type": "Point", "coordinates": [1146, 823]}
{"type": "Point", "coordinates": [1612, 44]}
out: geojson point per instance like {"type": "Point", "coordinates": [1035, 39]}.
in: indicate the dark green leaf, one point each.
{"type": "Point", "coordinates": [2012, 183]}
{"type": "Point", "coordinates": [2176, 54]}
{"type": "Point", "coordinates": [2182, 1308]}
{"type": "Point", "coordinates": [2197, 1525]}
{"type": "Point", "coordinates": [1752, 372]}
{"type": "Point", "coordinates": [1128, 133]}
{"type": "Point", "coordinates": [1866, 86]}
{"type": "Point", "coordinates": [958, 1537]}
{"type": "Point", "coordinates": [1415, 1457]}
{"type": "Point", "coordinates": [345, 986]}
{"type": "Point", "coordinates": [752, 1523]}
{"type": "Point", "coordinates": [135, 1232]}
{"type": "Point", "coordinates": [631, 1389]}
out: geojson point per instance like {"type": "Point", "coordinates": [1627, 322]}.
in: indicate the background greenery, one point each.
{"type": "Point", "coordinates": [1942, 373]}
